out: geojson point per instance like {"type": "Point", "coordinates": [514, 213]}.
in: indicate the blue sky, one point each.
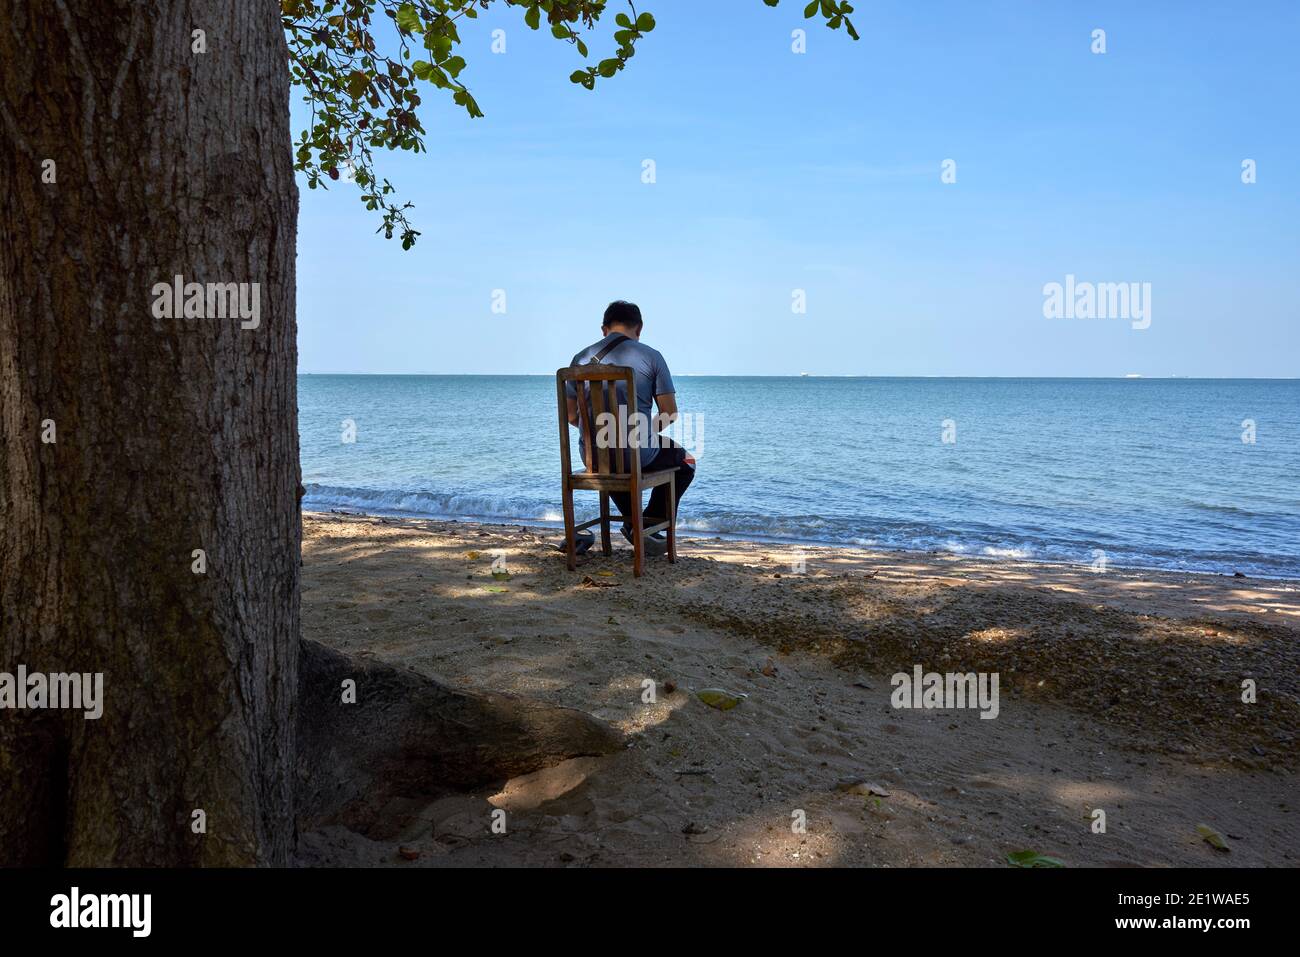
{"type": "Point", "coordinates": [820, 171]}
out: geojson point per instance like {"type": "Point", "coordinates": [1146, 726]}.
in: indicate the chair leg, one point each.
{"type": "Point", "coordinates": [570, 540]}
{"type": "Point", "coordinates": [604, 525]}
{"type": "Point", "coordinates": [638, 538]}
{"type": "Point", "coordinates": [672, 519]}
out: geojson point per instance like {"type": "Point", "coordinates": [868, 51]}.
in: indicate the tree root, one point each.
{"type": "Point", "coordinates": [408, 740]}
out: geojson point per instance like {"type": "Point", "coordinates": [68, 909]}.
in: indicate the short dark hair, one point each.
{"type": "Point", "coordinates": [623, 313]}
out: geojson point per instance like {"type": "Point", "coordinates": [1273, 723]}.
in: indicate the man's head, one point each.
{"type": "Point", "coordinates": [624, 317]}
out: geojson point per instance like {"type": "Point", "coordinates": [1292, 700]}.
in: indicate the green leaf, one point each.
{"type": "Point", "coordinates": [645, 23]}
{"type": "Point", "coordinates": [439, 44]}
{"type": "Point", "coordinates": [1032, 859]}
{"type": "Point", "coordinates": [608, 67]}
{"type": "Point", "coordinates": [1212, 837]}
{"type": "Point", "coordinates": [533, 17]}
{"type": "Point", "coordinates": [810, 10]}
{"type": "Point", "coordinates": [720, 698]}
{"type": "Point", "coordinates": [408, 18]}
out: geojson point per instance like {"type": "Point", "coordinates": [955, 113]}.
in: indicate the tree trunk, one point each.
{"type": "Point", "coordinates": [170, 434]}
{"type": "Point", "coordinates": [133, 439]}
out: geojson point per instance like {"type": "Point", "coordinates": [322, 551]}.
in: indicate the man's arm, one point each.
{"type": "Point", "coordinates": [572, 405]}
{"type": "Point", "coordinates": [665, 395]}
{"type": "Point", "coordinates": [667, 405]}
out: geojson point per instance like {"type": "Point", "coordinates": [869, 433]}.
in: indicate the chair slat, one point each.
{"type": "Point", "coordinates": [601, 452]}
{"type": "Point", "coordinates": [584, 426]}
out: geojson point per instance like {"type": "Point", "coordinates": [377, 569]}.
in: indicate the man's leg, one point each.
{"type": "Point", "coordinates": [623, 501]}
{"type": "Point", "coordinates": [670, 456]}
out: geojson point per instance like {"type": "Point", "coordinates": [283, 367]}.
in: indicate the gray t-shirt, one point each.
{"type": "Point", "coordinates": [650, 374]}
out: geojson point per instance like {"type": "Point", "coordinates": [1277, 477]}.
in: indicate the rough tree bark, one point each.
{"type": "Point", "coordinates": [170, 435]}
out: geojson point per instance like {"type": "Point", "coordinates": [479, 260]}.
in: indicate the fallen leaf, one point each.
{"type": "Point", "coordinates": [472, 556]}
{"type": "Point", "coordinates": [1032, 859]}
{"type": "Point", "coordinates": [1213, 838]}
{"type": "Point", "coordinates": [409, 853]}
{"type": "Point", "coordinates": [720, 698]}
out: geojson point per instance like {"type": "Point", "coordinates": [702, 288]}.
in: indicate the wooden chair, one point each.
{"type": "Point", "coordinates": [616, 469]}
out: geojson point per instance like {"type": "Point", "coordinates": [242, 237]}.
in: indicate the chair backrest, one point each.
{"type": "Point", "coordinates": [603, 420]}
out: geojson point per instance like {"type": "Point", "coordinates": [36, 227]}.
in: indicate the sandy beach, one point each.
{"type": "Point", "coordinates": [1119, 691]}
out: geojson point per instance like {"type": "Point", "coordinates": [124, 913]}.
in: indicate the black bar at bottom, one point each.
{"type": "Point", "coordinates": [437, 907]}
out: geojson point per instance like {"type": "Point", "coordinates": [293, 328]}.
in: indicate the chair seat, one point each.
{"type": "Point", "coordinates": [617, 481]}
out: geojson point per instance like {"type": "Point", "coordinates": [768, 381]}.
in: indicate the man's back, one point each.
{"type": "Point", "coordinates": [650, 373]}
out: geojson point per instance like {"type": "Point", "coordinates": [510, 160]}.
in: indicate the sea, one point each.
{"type": "Point", "coordinates": [1194, 475]}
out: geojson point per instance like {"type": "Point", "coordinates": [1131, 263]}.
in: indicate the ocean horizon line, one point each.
{"type": "Point", "coordinates": [815, 375]}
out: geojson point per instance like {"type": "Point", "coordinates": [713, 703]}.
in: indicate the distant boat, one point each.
{"type": "Point", "coordinates": [803, 373]}
{"type": "Point", "coordinates": [1133, 375]}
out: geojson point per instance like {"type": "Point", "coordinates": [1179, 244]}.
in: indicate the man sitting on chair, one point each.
{"type": "Point", "coordinates": [621, 346]}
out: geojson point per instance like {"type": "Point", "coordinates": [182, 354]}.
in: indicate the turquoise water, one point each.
{"type": "Point", "coordinates": [1153, 473]}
